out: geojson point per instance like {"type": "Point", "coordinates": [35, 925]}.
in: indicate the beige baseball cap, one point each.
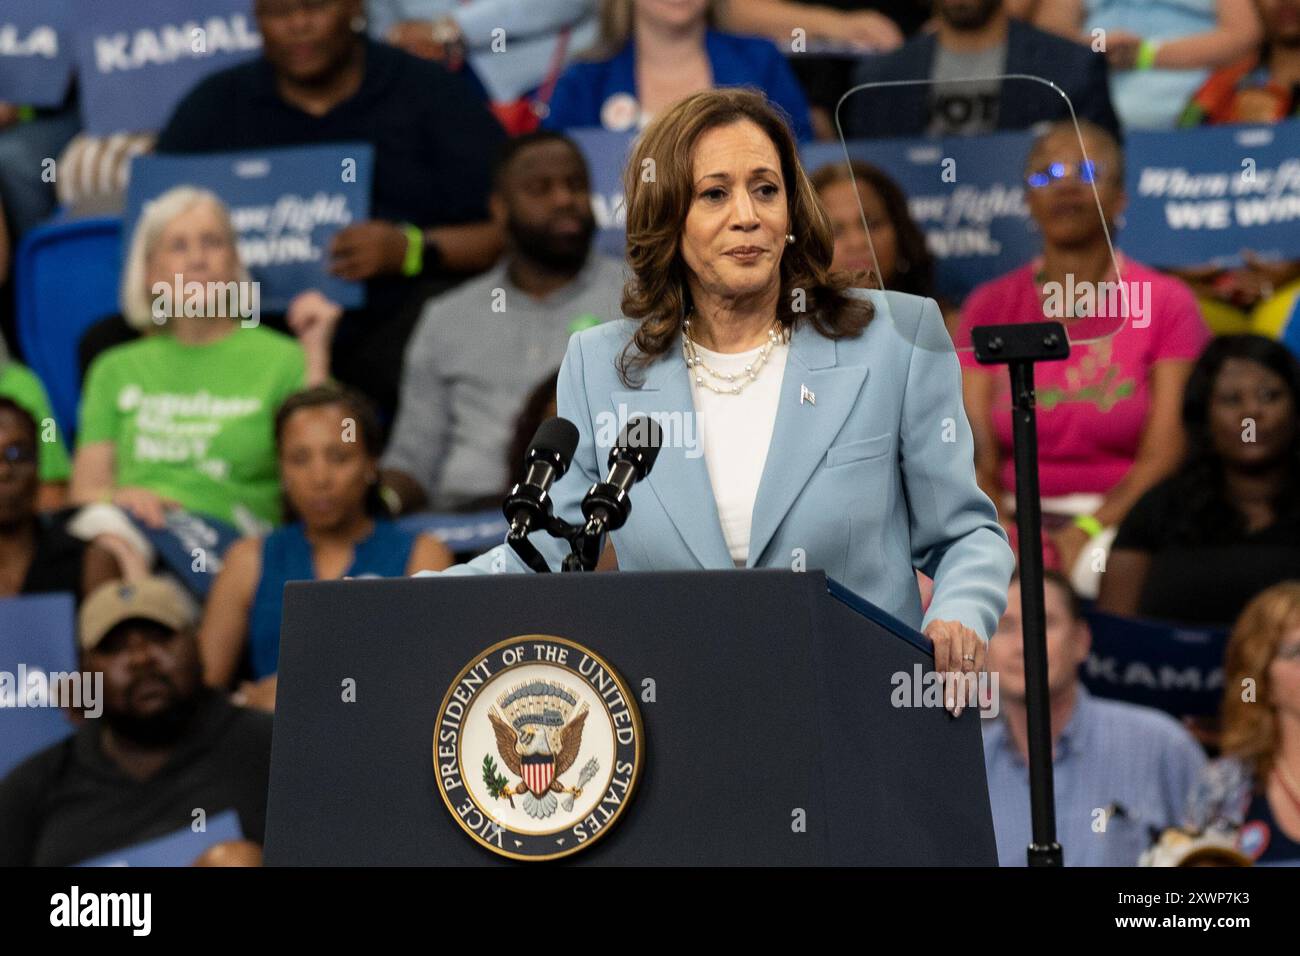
{"type": "Point", "coordinates": [153, 599]}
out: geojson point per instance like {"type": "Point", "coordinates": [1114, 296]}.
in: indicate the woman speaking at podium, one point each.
{"type": "Point", "coordinates": [804, 426]}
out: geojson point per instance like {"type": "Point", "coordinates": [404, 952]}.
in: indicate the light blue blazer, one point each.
{"type": "Point", "coordinates": [871, 479]}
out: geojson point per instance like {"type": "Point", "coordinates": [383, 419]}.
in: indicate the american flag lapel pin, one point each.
{"type": "Point", "coordinates": [806, 395]}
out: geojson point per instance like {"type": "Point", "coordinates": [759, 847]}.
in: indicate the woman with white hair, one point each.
{"type": "Point", "coordinates": [182, 417]}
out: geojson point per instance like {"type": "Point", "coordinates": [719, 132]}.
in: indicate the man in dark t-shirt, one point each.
{"type": "Point", "coordinates": [164, 747]}
{"type": "Point", "coordinates": [943, 85]}
{"type": "Point", "coordinates": [319, 80]}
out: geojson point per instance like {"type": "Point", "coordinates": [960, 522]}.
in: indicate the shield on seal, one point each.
{"type": "Point", "coordinates": [538, 771]}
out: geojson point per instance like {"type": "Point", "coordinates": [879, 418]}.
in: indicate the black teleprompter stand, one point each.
{"type": "Point", "coordinates": [1019, 347]}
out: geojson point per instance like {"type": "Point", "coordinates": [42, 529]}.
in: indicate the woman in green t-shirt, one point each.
{"type": "Point", "coordinates": [182, 417]}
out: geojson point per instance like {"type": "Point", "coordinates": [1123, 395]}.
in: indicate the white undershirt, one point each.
{"type": "Point", "coordinates": [735, 432]}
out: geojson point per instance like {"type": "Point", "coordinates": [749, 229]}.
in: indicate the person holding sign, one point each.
{"type": "Point", "coordinates": [182, 417]}
{"type": "Point", "coordinates": [320, 80]}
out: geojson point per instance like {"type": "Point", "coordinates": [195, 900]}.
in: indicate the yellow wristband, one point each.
{"type": "Point", "coordinates": [1089, 524]}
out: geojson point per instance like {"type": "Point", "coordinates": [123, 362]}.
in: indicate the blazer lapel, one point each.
{"type": "Point", "coordinates": [680, 482]}
{"type": "Point", "coordinates": [803, 430]}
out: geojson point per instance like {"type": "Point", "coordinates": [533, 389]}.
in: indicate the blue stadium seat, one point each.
{"type": "Point", "coordinates": [65, 279]}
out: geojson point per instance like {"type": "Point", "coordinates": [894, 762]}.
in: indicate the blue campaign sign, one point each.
{"type": "Point", "coordinates": [978, 226]}
{"type": "Point", "coordinates": [1175, 669]}
{"type": "Point", "coordinates": [286, 205]}
{"type": "Point", "coordinates": [1201, 196]}
{"type": "Point", "coordinates": [606, 154]}
{"type": "Point", "coordinates": [37, 643]}
{"type": "Point", "coordinates": [136, 60]}
{"type": "Point", "coordinates": [35, 52]}
{"type": "Point", "coordinates": [180, 848]}
{"type": "Point", "coordinates": [462, 533]}
{"type": "Point", "coordinates": [191, 546]}
{"type": "Point", "coordinates": [966, 193]}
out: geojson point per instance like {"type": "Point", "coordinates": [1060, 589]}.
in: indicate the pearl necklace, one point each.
{"type": "Point", "coordinates": [694, 362]}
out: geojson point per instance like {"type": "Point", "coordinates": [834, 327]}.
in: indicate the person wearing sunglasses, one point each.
{"type": "Point", "coordinates": [1108, 417]}
{"type": "Point", "coordinates": [37, 554]}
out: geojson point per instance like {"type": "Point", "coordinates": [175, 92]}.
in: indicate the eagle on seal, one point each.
{"type": "Point", "coordinates": [538, 737]}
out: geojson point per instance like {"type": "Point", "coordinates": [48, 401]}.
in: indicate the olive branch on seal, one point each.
{"type": "Point", "coordinates": [497, 784]}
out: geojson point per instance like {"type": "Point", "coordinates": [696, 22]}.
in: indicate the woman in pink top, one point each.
{"type": "Point", "coordinates": [1108, 417]}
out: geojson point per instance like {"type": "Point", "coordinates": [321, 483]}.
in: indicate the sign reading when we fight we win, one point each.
{"type": "Point", "coordinates": [136, 60]}
{"type": "Point", "coordinates": [285, 204]}
{"type": "Point", "coordinates": [1195, 195]}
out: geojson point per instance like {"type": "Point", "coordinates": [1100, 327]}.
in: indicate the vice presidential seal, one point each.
{"type": "Point", "coordinates": [538, 747]}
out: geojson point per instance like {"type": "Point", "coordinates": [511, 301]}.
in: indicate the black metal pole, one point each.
{"type": "Point", "coordinates": [1018, 347]}
{"type": "Point", "coordinates": [1044, 850]}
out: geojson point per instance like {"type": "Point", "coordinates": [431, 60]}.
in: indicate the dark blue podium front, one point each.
{"type": "Point", "coordinates": [774, 693]}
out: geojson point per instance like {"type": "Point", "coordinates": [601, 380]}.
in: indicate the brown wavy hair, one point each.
{"type": "Point", "coordinates": [1250, 728]}
{"type": "Point", "coordinates": [657, 293]}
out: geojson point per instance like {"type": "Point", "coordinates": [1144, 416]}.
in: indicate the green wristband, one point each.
{"type": "Point", "coordinates": [1089, 524]}
{"type": "Point", "coordinates": [413, 264]}
{"type": "Point", "coordinates": [391, 499]}
{"type": "Point", "coordinates": [1146, 58]}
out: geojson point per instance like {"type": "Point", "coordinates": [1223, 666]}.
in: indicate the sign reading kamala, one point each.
{"type": "Point", "coordinates": [1202, 196]}
{"type": "Point", "coordinates": [136, 60]}
{"type": "Point", "coordinates": [35, 52]}
{"type": "Point", "coordinates": [1174, 669]}
{"type": "Point", "coordinates": [538, 747]}
{"type": "Point", "coordinates": [286, 205]}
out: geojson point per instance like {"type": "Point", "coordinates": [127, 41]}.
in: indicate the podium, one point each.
{"type": "Point", "coordinates": [773, 725]}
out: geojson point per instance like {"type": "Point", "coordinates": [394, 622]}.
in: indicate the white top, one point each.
{"type": "Point", "coordinates": [735, 432]}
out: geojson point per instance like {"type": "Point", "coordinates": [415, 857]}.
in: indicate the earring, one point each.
{"type": "Point", "coordinates": [789, 238]}
{"type": "Point", "coordinates": [359, 24]}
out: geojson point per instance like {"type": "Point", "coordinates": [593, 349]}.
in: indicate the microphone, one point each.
{"type": "Point", "coordinates": [607, 504]}
{"type": "Point", "coordinates": [528, 505]}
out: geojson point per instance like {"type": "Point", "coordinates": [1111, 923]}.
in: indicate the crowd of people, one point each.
{"type": "Point", "coordinates": [1169, 455]}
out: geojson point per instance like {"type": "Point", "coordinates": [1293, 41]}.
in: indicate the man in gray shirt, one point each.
{"type": "Point", "coordinates": [479, 350]}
